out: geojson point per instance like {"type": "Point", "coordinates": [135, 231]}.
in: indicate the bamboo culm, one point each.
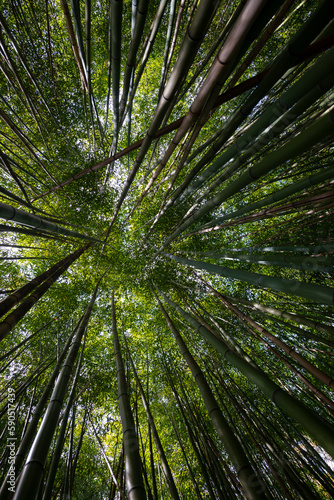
{"type": "Point", "coordinates": [252, 487]}
{"type": "Point", "coordinates": [34, 467]}
{"type": "Point", "coordinates": [316, 427]}
{"type": "Point", "coordinates": [134, 479]}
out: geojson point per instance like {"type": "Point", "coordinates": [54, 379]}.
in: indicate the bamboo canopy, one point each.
{"type": "Point", "coordinates": [167, 251]}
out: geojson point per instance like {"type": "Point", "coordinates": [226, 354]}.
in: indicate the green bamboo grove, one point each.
{"type": "Point", "coordinates": [166, 250]}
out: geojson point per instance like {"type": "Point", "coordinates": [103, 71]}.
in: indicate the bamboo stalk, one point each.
{"type": "Point", "coordinates": [314, 426]}
{"type": "Point", "coordinates": [34, 467]}
{"type": "Point", "coordinates": [134, 480]}
{"type": "Point", "coordinates": [248, 478]}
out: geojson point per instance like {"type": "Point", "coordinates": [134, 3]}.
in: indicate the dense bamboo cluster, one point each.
{"type": "Point", "coordinates": [186, 350]}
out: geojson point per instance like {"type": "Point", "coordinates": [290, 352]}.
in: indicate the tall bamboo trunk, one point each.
{"type": "Point", "coordinates": [134, 479]}
{"type": "Point", "coordinates": [318, 293]}
{"type": "Point", "coordinates": [157, 441]}
{"type": "Point", "coordinates": [47, 494]}
{"type": "Point", "coordinates": [251, 485]}
{"type": "Point", "coordinates": [29, 482]}
{"type": "Point", "coordinates": [316, 427]}
{"type": "Point", "coordinates": [12, 319]}
{"type": "Point", "coordinates": [19, 294]}
{"type": "Point", "coordinates": [14, 214]}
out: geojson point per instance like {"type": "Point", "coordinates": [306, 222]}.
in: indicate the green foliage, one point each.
{"type": "Point", "coordinates": [50, 136]}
